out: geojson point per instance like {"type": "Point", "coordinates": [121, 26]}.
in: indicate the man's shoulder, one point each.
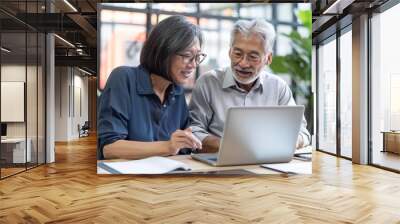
{"type": "Point", "coordinates": [275, 79]}
{"type": "Point", "coordinates": [215, 76]}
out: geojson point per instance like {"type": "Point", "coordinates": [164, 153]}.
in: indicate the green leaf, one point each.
{"type": "Point", "coordinates": [305, 18]}
{"type": "Point", "coordinates": [298, 62]}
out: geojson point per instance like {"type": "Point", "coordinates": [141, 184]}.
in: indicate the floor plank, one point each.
{"type": "Point", "coordinates": [70, 191]}
{"type": "Point", "coordinates": [386, 159]}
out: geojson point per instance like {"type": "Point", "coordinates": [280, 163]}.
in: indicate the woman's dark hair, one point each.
{"type": "Point", "coordinates": [170, 36]}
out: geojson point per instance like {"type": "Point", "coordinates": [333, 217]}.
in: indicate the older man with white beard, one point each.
{"type": "Point", "coordinates": [244, 83]}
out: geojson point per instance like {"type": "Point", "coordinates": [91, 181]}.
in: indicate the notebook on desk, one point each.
{"type": "Point", "coordinates": [151, 165]}
{"type": "Point", "coordinates": [290, 168]}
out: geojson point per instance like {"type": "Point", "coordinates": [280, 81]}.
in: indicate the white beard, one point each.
{"type": "Point", "coordinates": [245, 82]}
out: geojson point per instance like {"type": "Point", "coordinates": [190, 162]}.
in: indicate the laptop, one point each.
{"type": "Point", "coordinates": [257, 135]}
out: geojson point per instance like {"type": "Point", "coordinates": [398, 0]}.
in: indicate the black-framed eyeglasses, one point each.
{"type": "Point", "coordinates": [188, 58]}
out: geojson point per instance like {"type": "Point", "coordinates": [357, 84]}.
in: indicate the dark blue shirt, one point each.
{"type": "Point", "coordinates": [129, 109]}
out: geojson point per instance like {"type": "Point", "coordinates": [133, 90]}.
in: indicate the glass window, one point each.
{"type": "Point", "coordinates": [221, 9]}
{"type": "Point", "coordinates": [216, 31]}
{"type": "Point", "coordinates": [31, 97]}
{"type": "Point", "coordinates": [303, 31]}
{"type": "Point", "coordinates": [13, 82]}
{"type": "Point", "coordinates": [216, 43]}
{"type": "Point", "coordinates": [176, 7]}
{"type": "Point", "coordinates": [121, 41]}
{"type": "Point", "coordinates": [283, 46]}
{"type": "Point", "coordinates": [285, 12]}
{"type": "Point", "coordinates": [23, 84]}
{"type": "Point", "coordinates": [127, 5]}
{"type": "Point", "coordinates": [107, 15]}
{"type": "Point", "coordinates": [304, 6]}
{"type": "Point", "coordinates": [385, 84]}
{"type": "Point", "coordinates": [156, 18]}
{"type": "Point", "coordinates": [131, 18]}
{"type": "Point", "coordinates": [256, 10]}
{"type": "Point", "coordinates": [346, 94]}
{"type": "Point", "coordinates": [327, 97]}
{"type": "Point", "coordinates": [41, 79]}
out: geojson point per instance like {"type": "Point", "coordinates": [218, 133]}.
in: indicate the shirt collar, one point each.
{"type": "Point", "coordinates": [144, 86]}
{"type": "Point", "coordinates": [177, 90]}
{"type": "Point", "coordinates": [229, 80]}
{"type": "Point", "coordinates": [143, 83]}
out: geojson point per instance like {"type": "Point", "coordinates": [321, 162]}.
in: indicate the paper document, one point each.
{"type": "Point", "coordinates": [305, 150]}
{"type": "Point", "coordinates": [291, 168]}
{"type": "Point", "coordinates": [151, 165]}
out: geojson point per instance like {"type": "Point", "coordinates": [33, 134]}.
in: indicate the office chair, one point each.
{"type": "Point", "coordinates": [84, 130]}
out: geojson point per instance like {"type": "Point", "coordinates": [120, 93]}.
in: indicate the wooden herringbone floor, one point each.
{"type": "Point", "coordinates": [70, 191]}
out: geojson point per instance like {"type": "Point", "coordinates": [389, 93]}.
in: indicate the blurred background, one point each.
{"type": "Point", "coordinates": [53, 48]}
{"type": "Point", "coordinates": [124, 27]}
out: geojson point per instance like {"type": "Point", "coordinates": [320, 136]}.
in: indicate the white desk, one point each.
{"type": "Point", "coordinates": [17, 147]}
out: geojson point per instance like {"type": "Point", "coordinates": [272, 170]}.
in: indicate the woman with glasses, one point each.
{"type": "Point", "coordinates": [142, 110]}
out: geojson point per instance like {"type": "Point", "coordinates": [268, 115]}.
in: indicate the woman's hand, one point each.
{"type": "Point", "coordinates": [183, 139]}
{"type": "Point", "coordinates": [300, 142]}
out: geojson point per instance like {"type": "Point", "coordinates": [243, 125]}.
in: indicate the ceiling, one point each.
{"type": "Point", "coordinates": [73, 20]}
{"type": "Point", "coordinates": [331, 15]}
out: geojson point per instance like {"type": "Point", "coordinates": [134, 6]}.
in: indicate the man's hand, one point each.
{"type": "Point", "coordinates": [211, 144]}
{"type": "Point", "coordinates": [183, 139]}
{"type": "Point", "coordinates": [300, 142]}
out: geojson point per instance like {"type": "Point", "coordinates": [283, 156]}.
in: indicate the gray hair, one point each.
{"type": "Point", "coordinates": [258, 26]}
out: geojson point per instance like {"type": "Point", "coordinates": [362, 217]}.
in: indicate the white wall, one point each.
{"type": "Point", "coordinates": [61, 103]}
{"type": "Point", "coordinates": [80, 105]}
{"type": "Point", "coordinates": [71, 94]}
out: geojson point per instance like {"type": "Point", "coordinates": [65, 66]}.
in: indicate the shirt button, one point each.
{"type": "Point", "coordinates": [165, 105]}
{"type": "Point", "coordinates": [173, 98]}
